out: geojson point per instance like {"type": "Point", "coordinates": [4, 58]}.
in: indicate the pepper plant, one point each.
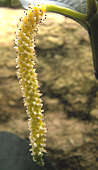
{"type": "Point", "coordinates": [85, 12]}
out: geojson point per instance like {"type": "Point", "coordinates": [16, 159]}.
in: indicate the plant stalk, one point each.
{"type": "Point", "coordinates": [93, 34]}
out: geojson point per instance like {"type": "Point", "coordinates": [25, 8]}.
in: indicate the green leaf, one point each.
{"type": "Point", "coordinates": [77, 5]}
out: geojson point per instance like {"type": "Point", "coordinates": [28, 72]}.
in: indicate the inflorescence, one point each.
{"type": "Point", "coordinates": [25, 36]}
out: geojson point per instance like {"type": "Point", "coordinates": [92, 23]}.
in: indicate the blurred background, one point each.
{"type": "Point", "coordinates": [10, 3]}
{"type": "Point", "coordinates": [70, 90]}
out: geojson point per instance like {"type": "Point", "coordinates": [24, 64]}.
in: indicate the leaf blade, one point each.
{"type": "Point", "coordinates": [77, 5]}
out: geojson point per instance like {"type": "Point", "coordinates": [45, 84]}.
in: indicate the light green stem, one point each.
{"type": "Point", "coordinates": [77, 16]}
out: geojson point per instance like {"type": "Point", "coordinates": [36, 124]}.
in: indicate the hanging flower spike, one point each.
{"type": "Point", "coordinates": [27, 75]}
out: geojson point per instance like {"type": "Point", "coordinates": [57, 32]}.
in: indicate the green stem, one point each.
{"type": "Point", "coordinates": [91, 8]}
{"type": "Point", "coordinates": [93, 33]}
{"type": "Point", "coordinates": [77, 16]}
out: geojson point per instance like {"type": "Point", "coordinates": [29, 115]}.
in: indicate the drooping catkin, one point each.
{"type": "Point", "coordinates": [25, 35]}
